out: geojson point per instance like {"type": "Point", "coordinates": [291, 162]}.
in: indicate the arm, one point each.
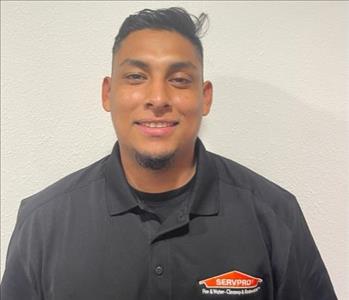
{"type": "Point", "coordinates": [18, 279]}
{"type": "Point", "coordinates": [305, 270]}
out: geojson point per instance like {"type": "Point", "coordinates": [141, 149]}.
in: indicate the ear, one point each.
{"type": "Point", "coordinates": [106, 87]}
{"type": "Point", "coordinates": [207, 97]}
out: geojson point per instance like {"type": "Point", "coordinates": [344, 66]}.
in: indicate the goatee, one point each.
{"type": "Point", "coordinates": [154, 162]}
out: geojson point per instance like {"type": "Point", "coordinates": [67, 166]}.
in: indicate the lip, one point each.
{"type": "Point", "coordinates": [156, 128]}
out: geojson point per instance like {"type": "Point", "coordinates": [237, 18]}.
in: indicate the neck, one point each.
{"type": "Point", "coordinates": [177, 174]}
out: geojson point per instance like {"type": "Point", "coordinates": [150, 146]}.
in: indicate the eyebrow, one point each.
{"type": "Point", "coordinates": [174, 66]}
{"type": "Point", "coordinates": [135, 62]}
{"type": "Point", "coordinates": [183, 65]}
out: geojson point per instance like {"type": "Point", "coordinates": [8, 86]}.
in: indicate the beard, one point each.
{"type": "Point", "coordinates": [154, 162]}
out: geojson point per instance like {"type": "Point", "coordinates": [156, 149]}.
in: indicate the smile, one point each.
{"type": "Point", "coordinates": [156, 129]}
{"type": "Point", "coordinates": [157, 124]}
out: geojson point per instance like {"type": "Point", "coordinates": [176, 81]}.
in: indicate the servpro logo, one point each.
{"type": "Point", "coordinates": [231, 283]}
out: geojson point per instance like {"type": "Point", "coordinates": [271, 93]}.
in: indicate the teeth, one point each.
{"type": "Point", "coordinates": [157, 124]}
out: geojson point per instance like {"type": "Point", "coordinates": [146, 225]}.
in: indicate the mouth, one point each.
{"type": "Point", "coordinates": [157, 124]}
{"type": "Point", "coordinates": [156, 128]}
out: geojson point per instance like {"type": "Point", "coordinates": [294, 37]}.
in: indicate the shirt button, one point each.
{"type": "Point", "coordinates": [159, 270]}
{"type": "Point", "coordinates": [181, 217]}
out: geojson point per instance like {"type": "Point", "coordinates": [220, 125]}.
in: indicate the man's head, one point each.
{"type": "Point", "coordinates": [170, 19]}
{"type": "Point", "coordinates": [156, 93]}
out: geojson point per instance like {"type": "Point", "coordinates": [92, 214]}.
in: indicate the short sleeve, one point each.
{"type": "Point", "coordinates": [305, 277]}
{"type": "Point", "coordinates": [17, 282]}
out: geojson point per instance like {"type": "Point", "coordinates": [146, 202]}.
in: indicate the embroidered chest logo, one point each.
{"type": "Point", "coordinates": [231, 283]}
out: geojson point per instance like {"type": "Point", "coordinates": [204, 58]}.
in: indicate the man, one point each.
{"type": "Point", "coordinates": [161, 217]}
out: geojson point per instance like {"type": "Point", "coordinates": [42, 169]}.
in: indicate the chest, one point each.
{"type": "Point", "coordinates": [132, 257]}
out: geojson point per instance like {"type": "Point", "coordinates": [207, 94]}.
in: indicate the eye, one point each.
{"type": "Point", "coordinates": [181, 81]}
{"type": "Point", "coordinates": [135, 78]}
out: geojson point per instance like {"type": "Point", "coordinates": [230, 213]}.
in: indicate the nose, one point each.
{"type": "Point", "coordinates": [158, 98]}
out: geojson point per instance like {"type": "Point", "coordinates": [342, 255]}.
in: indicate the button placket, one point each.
{"type": "Point", "coordinates": [159, 271]}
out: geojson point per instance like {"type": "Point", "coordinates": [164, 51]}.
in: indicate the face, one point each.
{"type": "Point", "coordinates": [156, 94]}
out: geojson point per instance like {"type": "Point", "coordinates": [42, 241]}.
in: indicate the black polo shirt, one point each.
{"type": "Point", "coordinates": [237, 236]}
{"type": "Point", "coordinates": [165, 203]}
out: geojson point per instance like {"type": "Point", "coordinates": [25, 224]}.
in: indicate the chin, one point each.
{"type": "Point", "coordinates": [156, 154]}
{"type": "Point", "coordinates": [154, 161]}
{"type": "Point", "coordinates": [156, 149]}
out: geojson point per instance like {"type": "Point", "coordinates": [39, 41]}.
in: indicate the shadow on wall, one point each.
{"type": "Point", "coordinates": [279, 135]}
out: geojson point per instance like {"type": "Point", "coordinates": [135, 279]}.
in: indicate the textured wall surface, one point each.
{"type": "Point", "coordinates": [280, 75]}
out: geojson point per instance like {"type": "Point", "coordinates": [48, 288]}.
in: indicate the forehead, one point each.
{"type": "Point", "coordinates": [157, 45]}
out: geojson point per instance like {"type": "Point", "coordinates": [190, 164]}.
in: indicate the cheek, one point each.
{"type": "Point", "coordinates": [126, 101]}
{"type": "Point", "coordinates": [189, 106]}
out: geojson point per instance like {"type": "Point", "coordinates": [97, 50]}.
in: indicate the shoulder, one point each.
{"type": "Point", "coordinates": [61, 188]}
{"type": "Point", "coordinates": [269, 197]}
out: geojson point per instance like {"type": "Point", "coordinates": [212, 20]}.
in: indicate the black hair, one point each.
{"type": "Point", "coordinates": [171, 19]}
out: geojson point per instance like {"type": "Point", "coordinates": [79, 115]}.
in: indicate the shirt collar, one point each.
{"type": "Point", "coordinates": [118, 192]}
{"type": "Point", "coordinates": [204, 197]}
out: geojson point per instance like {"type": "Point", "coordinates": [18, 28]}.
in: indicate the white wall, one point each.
{"type": "Point", "coordinates": [279, 69]}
